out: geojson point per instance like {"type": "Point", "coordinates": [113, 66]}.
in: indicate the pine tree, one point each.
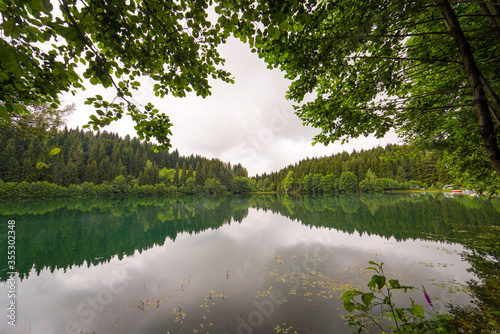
{"type": "Point", "coordinates": [9, 166]}
{"type": "Point", "coordinates": [106, 171]}
{"type": "Point", "coordinates": [183, 173]}
{"type": "Point", "coordinates": [198, 177]}
{"type": "Point", "coordinates": [176, 175]}
{"type": "Point", "coordinates": [401, 175]}
{"type": "Point", "coordinates": [92, 172]}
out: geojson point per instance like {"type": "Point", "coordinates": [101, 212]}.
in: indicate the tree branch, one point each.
{"type": "Point", "coordinates": [495, 101]}
{"type": "Point", "coordinates": [429, 60]}
{"type": "Point", "coordinates": [491, 19]}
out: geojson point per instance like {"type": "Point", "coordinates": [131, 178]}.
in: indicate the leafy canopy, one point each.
{"type": "Point", "coordinates": [112, 44]}
{"type": "Point", "coordinates": [423, 68]}
{"type": "Point", "coordinates": [428, 69]}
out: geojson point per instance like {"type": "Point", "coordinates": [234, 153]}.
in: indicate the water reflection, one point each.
{"type": "Point", "coordinates": [222, 264]}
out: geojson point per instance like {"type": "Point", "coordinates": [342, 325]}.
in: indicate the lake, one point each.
{"type": "Point", "coordinates": [235, 264]}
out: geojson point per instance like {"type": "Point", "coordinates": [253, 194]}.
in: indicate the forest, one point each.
{"type": "Point", "coordinates": [104, 164]}
{"type": "Point", "coordinates": [395, 167]}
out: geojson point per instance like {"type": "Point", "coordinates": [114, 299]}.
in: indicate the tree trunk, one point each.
{"type": "Point", "coordinates": [492, 19]}
{"type": "Point", "coordinates": [487, 130]}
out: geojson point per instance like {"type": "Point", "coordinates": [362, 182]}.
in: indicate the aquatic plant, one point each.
{"type": "Point", "coordinates": [377, 308]}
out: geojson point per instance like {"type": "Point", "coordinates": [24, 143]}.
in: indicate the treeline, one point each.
{"type": "Point", "coordinates": [390, 168]}
{"type": "Point", "coordinates": [102, 164]}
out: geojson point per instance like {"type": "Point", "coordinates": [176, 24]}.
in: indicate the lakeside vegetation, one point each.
{"type": "Point", "coordinates": [104, 164]}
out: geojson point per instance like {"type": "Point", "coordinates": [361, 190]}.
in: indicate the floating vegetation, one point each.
{"type": "Point", "coordinates": [147, 304]}
{"type": "Point", "coordinates": [285, 329]}
{"type": "Point", "coordinates": [218, 294]}
{"type": "Point", "coordinates": [278, 258]}
{"type": "Point", "coordinates": [180, 315]}
{"type": "Point", "coordinates": [433, 265]}
{"type": "Point", "coordinates": [308, 281]}
{"type": "Point", "coordinates": [115, 322]}
{"type": "Point", "coordinates": [453, 286]}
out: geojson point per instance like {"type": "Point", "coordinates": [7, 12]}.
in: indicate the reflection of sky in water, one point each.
{"type": "Point", "coordinates": [235, 259]}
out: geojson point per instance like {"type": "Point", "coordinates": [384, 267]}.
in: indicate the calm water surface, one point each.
{"type": "Point", "coordinates": [231, 264]}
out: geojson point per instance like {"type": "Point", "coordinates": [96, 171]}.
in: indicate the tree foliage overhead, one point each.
{"type": "Point", "coordinates": [113, 43]}
{"type": "Point", "coordinates": [428, 69]}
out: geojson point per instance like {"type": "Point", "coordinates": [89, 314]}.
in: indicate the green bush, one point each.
{"type": "Point", "coordinates": [348, 182]}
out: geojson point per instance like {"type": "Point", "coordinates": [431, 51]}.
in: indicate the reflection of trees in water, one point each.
{"type": "Point", "coordinates": [483, 254]}
{"type": "Point", "coordinates": [62, 233]}
{"type": "Point", "coordinates": [65, 232]}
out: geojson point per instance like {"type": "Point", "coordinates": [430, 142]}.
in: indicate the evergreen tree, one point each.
{"type": "Point", "coordinates": [316, 184]}
{"type": "Point", "coordinates": [92, 172]}
{"type": "Point", "coordinates": [368, 184]}
{"type": "Point", "coordinates": [198, 176]}
{"type": "Point", "coordinates": [184, 173]}
{"type": "Point", "coordinates": [106, 173]}
{"type": "Point", "coordinates": [307, 183]}
{"type": "Point", "coordinates": [176, 175]}
{"type": "Point", "coordinates": [288, 184]}
{"type": "Point", "coordinates": [9, 166]}
{"type": "Point", "coordinates": [400, 174]}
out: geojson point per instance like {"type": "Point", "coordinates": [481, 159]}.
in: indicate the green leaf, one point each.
{"type": "Point", "coordinates": [9, 56]}
{"type": "Point", "coordinates": [4, 113]}
{"type": "Point", "coordinates": [8, 27]}
{"type": "Point", "coordinates": [367, 298]}
{"type": "Point", "coordinates": [417, 311]}
{"type": "Point", "coordinates": [446, 317]}
{"type": "Point", "coordinates": [55, 151]}
{"type": "Point", "coordinates": [394, 283]}
{"type": "Point", "coordinates": [37, 5]}
{"type": "Point", "coordinates": [377, 280]}
{"type": "Point", "coordinates": [41, 165]}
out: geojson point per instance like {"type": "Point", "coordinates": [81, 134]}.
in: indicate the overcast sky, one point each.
{"type": "Point", "coordinates": [248, 122]}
